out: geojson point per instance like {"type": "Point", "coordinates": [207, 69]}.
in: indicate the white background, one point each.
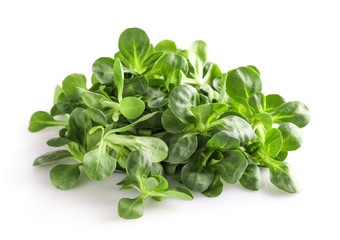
{"type": "Point", "coordinates": [295, 45]}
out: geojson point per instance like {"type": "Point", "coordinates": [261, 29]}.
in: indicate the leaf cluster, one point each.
{"type": "Point", "coordinates": [154, 112]}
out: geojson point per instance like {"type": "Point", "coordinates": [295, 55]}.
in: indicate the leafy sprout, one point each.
{"type": "Point", "coordinates": [155, 113]}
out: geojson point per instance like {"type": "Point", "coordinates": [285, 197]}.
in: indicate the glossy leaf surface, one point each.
{"type": "Point", "coordinates": [281, 178]}
{"type": "Point", "coordinates": [98, 164]}
{"type": "Point", "coordinates": [130, 208]}
{"type": "Point", "coordinates": [65, 176]}
{"type": "Point", "coordinates": [51, 157]}
{"type": "Point", "coordinates": [132, 107]}
{"type": "Point", "coordinates": [292, 137]}
{"type": "Point", "coordinates": [241, 83]}
{"type": "Point", "coordinates": [134, 45]}
{"type": "Point", "coordinates": [293, 112]}
{"type": "Point", "coordinates": [41, 120]}
{"type": "Point", "coordinates": [196, 178]}
{"type": "Point", "coordinates": [74, 85]}
{"type": "Point", "coordinates": [102, 69]}
{"type": "Point", "coordinates": [273, 142]}
{"type": "Point", "coordinates": [181, 99]}
{"type": "Point", "coordinates": [232, 166]}
{"type": "Point", "coordinates": [251, 178]}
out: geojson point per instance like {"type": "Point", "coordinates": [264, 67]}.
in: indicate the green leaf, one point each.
{"type": "Point", "coordinates": [151, 124]}
{"type": "Point", "coordinates": [58, 90]}
{"type": "Point", "coordinates": [133, 45]}
{"type": "Point", "coordinates": [64, 105]}
{"type": "Point", "coordinates": [74, 85]}
{"type": "Point", "coordinates": [138, 165]}
{"type": "Point", "coordinates": [236, 125]}
{"type": "Point", "coordinates": [131, 107]}
{"type": "Point", "coordinates": [215, 188]}
{"type": "Point", "coordinates": [257, 101]}
{"type": "Point", "coordinates": [251, 159]}
{"type": "Point", "coordinates": [150, 184]}
{"type": "Point", "coordinates": [198, 57]}
{"type": "Point", "coordinates": [281, 156]}
{"type": "Point", "coordinates": [181, 99]}
{"type": "Point", "coordinates": [64, 108]}
{"type": "Point", "coordinates": [58, 142]}
{"type": "Point", "coordinates": [171, 66]}
{"type": "Point", "coordinates": [62, 132]}
{"type": "Point", "coordinates": [253, 147]}
{"type": "Point", "coordinates": [154, 147]}
{"type": "Point", "coordinates": [65, 176]}
{"type": "Point", "coordinates": [158, 102]}
{"type": "Point", "coordinates": [264, 118]}
{"type": "Point", "coordinates": [208, 93]}
{"type": "Point", "coordinates": [292, 137]}
{"type": "Point", "coordinates": [166, 46]}
{"type": "Point", "coordinates": [241, 83]}
{"type": "Point", "coordinates": [134, 87]}
{"type": "Point", "coordinates": [94, 81]}
{"type": "Point", "coordinates": [251, 178]}
{"type": "Point", "coordinates": [41, 120]}
{"type": "Point", "coordinates": [170, 169]}
{"type": "Point", "coordinates": [96, 115]}
{"type": "Point", "coordinates": [93, 139]}
{"type": "Point", "coordinates": [130, 208]}
{"type": "Point", "coordinates": [232, 166]}
{"type": "Point", "coordinates": [171, 123]}
{"type": "Point", "coordinates": [98, 164]}
{"type": "Point", "coordinates": [181, 193]}
{"type": "Point", "coordinates": [51, 157]}
{"type": "Point", "coordinates": [207, 112]}
{"type": "Point", "coordinates": [255, 69]}
{"type": "Point", "coordinates": [223, 98]}
{"type": "Point", "coordinates": [79, 125]}
{"type": "Point", "coordinates": [214, 158]}
{"type": "Point", "coordinates": [126, 181]}
{"type": "Point", "coordinates": [158, 170]}
{"type": "Point", "coordinates": [181, 147]}
{"type": "Point", "coordinates": [76, 150]}
{"type": "Point", "coordinates": [152, 60]}
{"type": "Point", "coordinates": [293, 112]}
{"type": "Point", "coordinates": [124, 61]}
{"type": "Point", "coordinates": [140, 120]}
{"type": "Point", "coordinates": [162, 183]}
{"type": "Point", "coordinates": [118, 78]}
{"type": "Point", "coordinates": [223, 141]}
{"type": "Point", "coordinates": [55, 111]}
{"type": "Point", "coordinates": [96, 128]}
{"type": "Point", "coordinates": [96, 100]}
{"type": "Point", "coordinates": [280, 176]}
{"type": "Point", "coordinates": [122, 161]}
{"type": "Point", "coordinates": [102, 69]}
{"type": "Point", "coordinates": [273, 142]}
{"type": "Point", "coordinates": [213, 73]}
{"type": "Point", "coordinates": [156, 198]}
{"type": "Point", "coordinates": [273, 101]}
{"type": "Point", "coordinates": [196, 178]}
{"type": "Point", "coordinates": [129, 186]}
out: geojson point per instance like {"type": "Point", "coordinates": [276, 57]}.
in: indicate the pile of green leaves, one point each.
{"type": "Point", "coordinates": [159, 112]}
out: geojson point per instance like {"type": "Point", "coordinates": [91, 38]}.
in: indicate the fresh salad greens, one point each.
{"type": "Point", "coordinates": [160, 112]}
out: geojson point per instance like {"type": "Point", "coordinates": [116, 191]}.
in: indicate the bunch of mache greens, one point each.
{"type": "Point", "coordinates": [161, 112]}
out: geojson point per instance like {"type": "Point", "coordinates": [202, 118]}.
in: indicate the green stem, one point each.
{"type": "Point", "coordinates": [201, 127]}
{"type": "Point", "coordinates": [270, 163]}
{"type": "Point", "coordinates": [57, 123]}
